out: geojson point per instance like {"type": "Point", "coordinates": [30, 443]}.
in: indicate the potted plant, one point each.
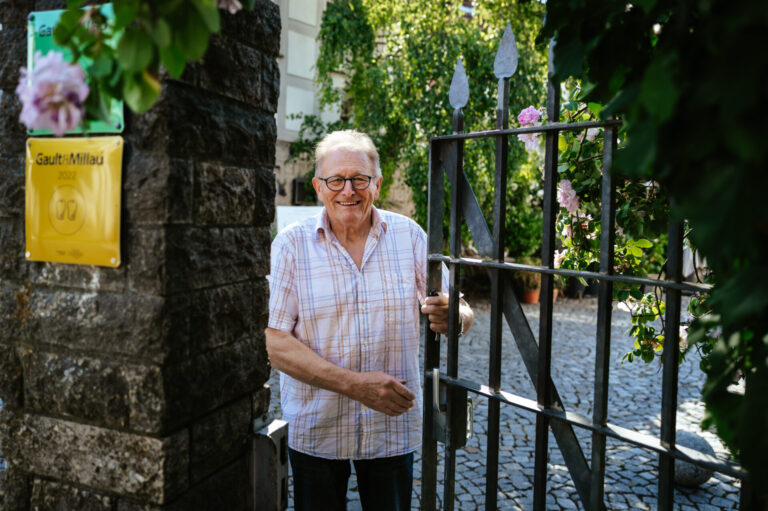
{"type": "Point", "coordinates": [527, 284]}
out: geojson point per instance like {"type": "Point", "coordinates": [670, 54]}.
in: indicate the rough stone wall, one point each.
{"type": "Point", "coordinates": [134, 388]}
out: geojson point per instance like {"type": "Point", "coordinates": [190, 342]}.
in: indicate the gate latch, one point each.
{"type": "Point", "coordinates": [462, 412]}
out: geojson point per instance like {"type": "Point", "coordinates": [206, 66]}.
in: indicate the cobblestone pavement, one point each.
{"type": "Point", "coordinates": [634, 403]}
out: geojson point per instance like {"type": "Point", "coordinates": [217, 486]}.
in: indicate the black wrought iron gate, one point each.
{"type": "Point", "coordinates": [443, 416]}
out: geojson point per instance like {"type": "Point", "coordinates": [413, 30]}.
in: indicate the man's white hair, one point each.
{"type": "Point", "coordinates": [349, 141]}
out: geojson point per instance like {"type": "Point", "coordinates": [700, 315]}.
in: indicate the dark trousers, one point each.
{"type": "Point", "coordinates": [320, 484]}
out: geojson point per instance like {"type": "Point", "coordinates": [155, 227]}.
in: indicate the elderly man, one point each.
{"type": "Point", "coordinates": [345, 289]}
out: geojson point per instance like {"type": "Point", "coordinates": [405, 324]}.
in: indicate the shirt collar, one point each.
{"type": "Point", "coordinates": [379, 227]}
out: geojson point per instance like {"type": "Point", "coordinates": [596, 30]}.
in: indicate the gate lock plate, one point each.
{"type": "Point", "coordinates": [460, 408]}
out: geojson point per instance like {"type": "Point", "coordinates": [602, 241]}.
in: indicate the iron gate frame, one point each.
{"type": "Point", "coordinates": [446, 160]}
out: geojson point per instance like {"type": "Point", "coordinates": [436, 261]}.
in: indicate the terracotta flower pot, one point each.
{"type": "Point", "coordinates": [531, 296]}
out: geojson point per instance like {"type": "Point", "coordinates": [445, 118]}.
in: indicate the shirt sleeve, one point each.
{"type": "Point", "coordinates": [420, 255]}
{"type": "Point", "coordinates": [283, 302]}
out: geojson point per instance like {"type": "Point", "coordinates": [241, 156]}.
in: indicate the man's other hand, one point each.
{"type": "Point", "coordinates": [383, 393]}
{"type": "Point", "coordinates": [436, 307]}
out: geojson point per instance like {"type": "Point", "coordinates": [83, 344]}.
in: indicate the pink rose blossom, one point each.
{"type": "Point", "coordinates": [52, 94]}
{"type": "Point", "coordinates": [528, 116]}
{"type": "Point", "coordinates": [567, 197]}
{"type": "Point", "coordinates": [233, 6]}
{"type": "Point", "coordinates": [566, 233]}
{"type": "Point", "coordinates": [531, 140]}
{"type": "Point", "coordinates": [592, 134]}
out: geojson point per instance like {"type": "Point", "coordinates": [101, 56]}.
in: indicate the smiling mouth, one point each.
{"type": "Point", "coordinates": [348, 203]}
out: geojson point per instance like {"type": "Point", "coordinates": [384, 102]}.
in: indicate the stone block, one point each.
{"type": "Point", "coordinates": [54, 496]}
{"type": "Point", "coordinates": [228, 372]}
{"type": "Point", "coordinates": [198, 125]}
{"type": "Point", "coordinates": [157, 190]}
{"type": "Point", "coordinates": [180, 259]}
{"type": "Point", "coordinates": [14, 490]}
{"type": "Point", "coordinates": [12, 132]}
{"type": "Point", "coordinates": [145, 327]}
{"type": "Point", "coordinates": [109, 393]}
{"type": "Point", "coordinates": [81, 277]}
{"type": "Point", "coordinates": [222, 315]}
{"type": "Point", "coordinates": [224, 195]}
{"type": "Point", "coordinates": [219, 438]}
{"type": "Point", "coordinates": [105, 460]}
{"type": "Point", "coordinates": [265, 197]}
{"type": "Point", "coordinates": [270, 83]}
{"type": "Point", "coordinates": [49, 5]}
{"type": "Point", "coordinates": [14, 310]}
{"type": "Point", "coordinates": [226, 489]}
{"type": "Point", "coordinates": [13, 41]}
{"type": "Point", "coordinates": [12, 261]}
{"type": "Point", "coordinates": [12, 185]}
{"type": "Point", "coordinates": [259, 28]}
{"type": "Point", "coordinates": [231, 69]}
{"type": "Point", "coordinates": [145, 265]}
{"type": "Point", "coordinates": [11, 380]}
{"type": "Point", "coordinates": [260, 401]}
{"type": "Point", "coordinates": [14, 14]}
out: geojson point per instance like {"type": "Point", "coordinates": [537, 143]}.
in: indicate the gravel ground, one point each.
{"type": "Point", "coordinates": [634, 403]}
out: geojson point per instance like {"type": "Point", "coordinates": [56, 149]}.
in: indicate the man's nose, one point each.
{"type": "Point", "coordinates": [348, 187]}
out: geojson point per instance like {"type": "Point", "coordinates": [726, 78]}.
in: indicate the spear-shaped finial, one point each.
{"type": "Point", "coordinates": [458, 94]}
{"type": "Point", "coordinates": [506, 58]}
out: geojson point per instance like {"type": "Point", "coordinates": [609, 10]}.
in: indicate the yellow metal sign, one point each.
{"type": "Point", "coordinates": [73, 200]}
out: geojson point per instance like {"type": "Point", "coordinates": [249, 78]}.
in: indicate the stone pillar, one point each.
{"type": "Point", "coordinates": [135, 388]}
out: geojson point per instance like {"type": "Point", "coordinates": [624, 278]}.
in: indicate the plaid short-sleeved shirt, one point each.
{"type": "Point", "coordinates": [363, 320]}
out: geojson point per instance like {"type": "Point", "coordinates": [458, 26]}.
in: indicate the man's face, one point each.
{"type": "Point", "coordinates": [347, 208]}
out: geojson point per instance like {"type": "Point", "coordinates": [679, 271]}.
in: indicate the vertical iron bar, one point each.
{"type": "Point", "coordinates": [544, 393]}
{"type": "Point", "coordinates": [452, 368]}
{"type": "Point", "coordinates": [603, 341]}
{"type": "Point", "coordinates": [497, 295]}
{"type": "Point", "coordinates": [670, 356]}
{"type": "Point", "coordinates": [431, 340]}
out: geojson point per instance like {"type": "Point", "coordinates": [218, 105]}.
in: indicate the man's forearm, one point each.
{"type": "Point", "coordinates": [296, 359]}
{"type": "Point", "coordinates": [376, 390]}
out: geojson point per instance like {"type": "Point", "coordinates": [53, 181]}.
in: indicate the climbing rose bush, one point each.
{"type": "Point", "coordinates": [567, 196]}
{"type": "Point", "coordinates": [529, 117]}
{"type": "Point", "coordinates": [53, 94]}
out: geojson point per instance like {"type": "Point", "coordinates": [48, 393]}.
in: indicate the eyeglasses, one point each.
{"type": "Point", "coordinates": [337, 183]}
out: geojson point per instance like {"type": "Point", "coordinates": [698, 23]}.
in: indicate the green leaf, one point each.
{"type": "Point", "coordinates": [138, 93]}
{"type": "Point", "coordinates": [643, 243]}
{"type": "Point", "coordinates": [97, 104]}
{"type": "Point", "coordinates": [595, 108]}
{"type": "Point", "coordinates": [74, 4]}
{"type": "Point", "coordinates": [71, 17]}
{"type": "Point", "coordinates": [191, 34]}
{"type": "Point", "coordinates": [135, 49]}
{"type": "Point", "coordinates": [125, 12]}
{"type": "Point", "coordinates": [161, 33]}
{"type": "Point", "coordinates": [173, 60]}
{"type": "Point", "coordinates": [209, 11]}
{"type": "Point", "coordinates": [658, 92]}
{"type": "Point", "coordinates": [101, 66]}
{"type": "Point", "coordinates": [165, 7]}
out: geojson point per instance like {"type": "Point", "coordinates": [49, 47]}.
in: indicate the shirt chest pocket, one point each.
{"type": "Point", "coordinates": [393, 297]}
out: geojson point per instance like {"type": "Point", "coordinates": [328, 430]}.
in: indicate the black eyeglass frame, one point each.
{"type": "Point", "coordinates": [344, 182]}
